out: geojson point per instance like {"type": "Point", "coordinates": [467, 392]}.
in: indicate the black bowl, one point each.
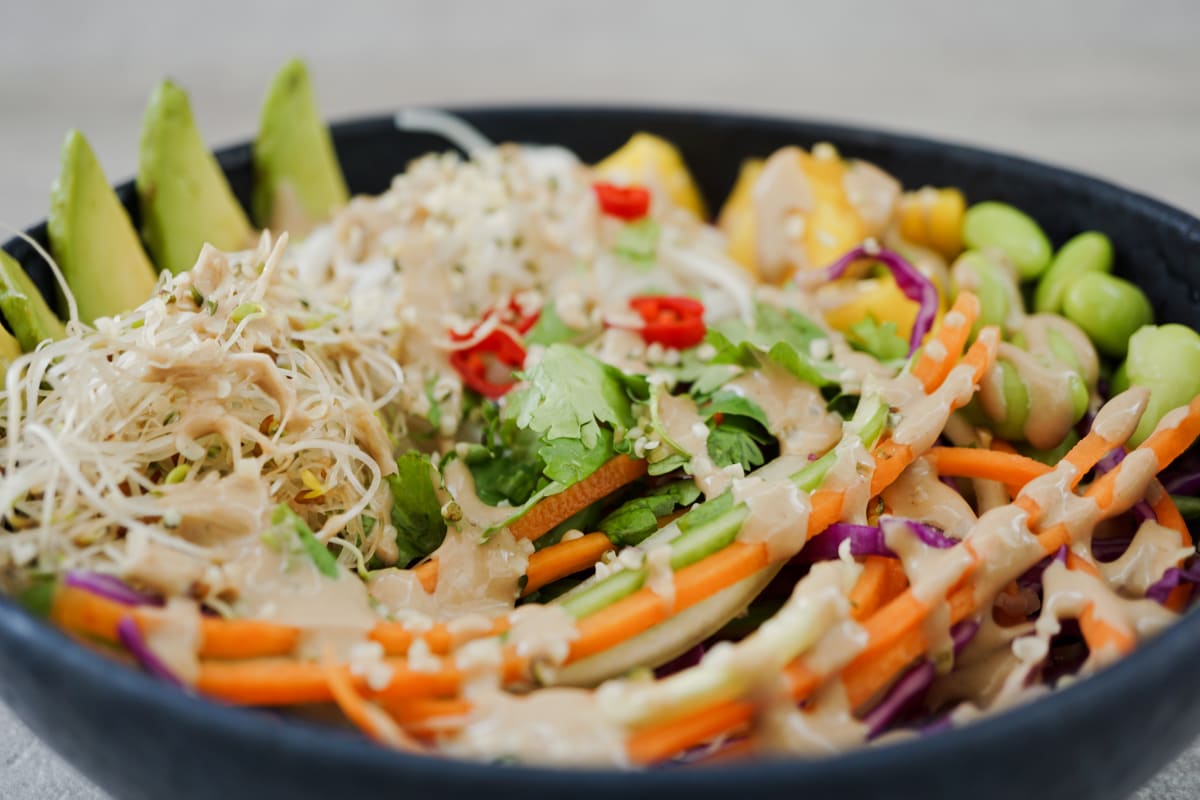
{"type": "Point", "coordinates": [1100, 738]}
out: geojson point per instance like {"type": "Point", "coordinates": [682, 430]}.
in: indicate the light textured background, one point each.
{"type": "Point", "coordinates": [1107, 87]}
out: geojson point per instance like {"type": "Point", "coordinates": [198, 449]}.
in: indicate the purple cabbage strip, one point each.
{"type": "Point", "coordinates": [868, 540]}
{"type": "Point", "coordinates": [131, 637]}
{"type": "Point", "coordinates": [865, 540]}
{"type": "Point", "coordinates": [909, 280]}
{"type": "Point", "coordinates": [109, 587]}
{"type": "Point", "coordinates": [899, 698]}
{"type": "Point", "coordinates": [913, 685]}
{"type": "Point", "coordinates": [1175, 576]}
{"type": "Point", "coordinates": [1187, 484]}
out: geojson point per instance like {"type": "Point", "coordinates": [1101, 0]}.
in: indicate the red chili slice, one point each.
{"type": "Point", "coordinates": [482, 366]}
{"type": "Point", "coordinates": [623, 202]}
{"type": "Point", "coordinates": [487, 365]}
{"type": "Point", "coordinates": [676, 322]}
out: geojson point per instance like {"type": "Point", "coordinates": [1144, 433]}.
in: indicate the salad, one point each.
{"type": "Point", "coordinates": [524, 459]}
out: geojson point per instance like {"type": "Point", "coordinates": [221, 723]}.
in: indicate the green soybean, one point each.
{"type": "Point", "coordinates": [1165, 360]}
{"type": "Point", "coordinates": [999, 225]}
{"type": "Point", "coordinates": [987, 279]}
{"type": "Point", "coordinates": [1090, 251]}
{"type": "Point", "coordinates": [1108, 309]}
{"type": "Point", "coordinates": [1016, 403]}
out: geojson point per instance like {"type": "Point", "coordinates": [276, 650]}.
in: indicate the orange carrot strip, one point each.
{"type": "Point", "coordinates": [935, 362]}
{"type": "Point", "coordinates": [368, 717]}
{"type": "Point", "coordinates": [550, 511]}
{"type": "Point", "coordinates": [245, 638]}
{"type": "Point", "coordinates": [1002, 446]}
{"type": "Point", "coordinates": [659, 742]}
{"type": "Point", "coordinates": [281, 682]}
{"type": "Point", "coordinates": [81, 611]}
{"type": "Point", "coordinates": [563, 559]}
{"type": "Point", "coordinates": [427, 574]}
{"type": "Point", "coordinates": [1013, 470]}
{"type": "Point", "coordinates": [867, 595]}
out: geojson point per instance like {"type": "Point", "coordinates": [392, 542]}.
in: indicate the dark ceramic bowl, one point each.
{"type": "Point", "coordinates": [1101, 738]}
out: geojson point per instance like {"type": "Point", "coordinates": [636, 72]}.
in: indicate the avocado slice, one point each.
{"type": "Point", "coordinates": [10, 348]}
{"type": "Point", "coordinates": [297, 180]}
{"type": "Point", "coordinates": [92, 239]}
{"type": "Point", "coordinates": [185, 198]}
{"type": "Point", "coordinates": [24, 309]}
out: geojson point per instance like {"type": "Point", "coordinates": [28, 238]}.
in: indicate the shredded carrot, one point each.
{"type": "Point", "coordinates": [873, 585]}
{"type": "Point", "coordinates": [83, 612]}
{"type": "Point", "coordinates": [550, 511]}
{"type": "Point", "coordinates": [935, 362]}
{"type": "Point", "coordinates": [563, 559]}
{"type": "Point", "coordinates": [1013, 470]}
{"type": "Point", "coordinates": [660, 742]}
{"type": "Point", "coordinates": [369, 718]}
{"type": "Point", "coordinates": [283, 682]}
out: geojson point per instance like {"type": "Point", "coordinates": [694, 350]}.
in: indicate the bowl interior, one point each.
{"type": "Point", "coordinates": [141, 739]}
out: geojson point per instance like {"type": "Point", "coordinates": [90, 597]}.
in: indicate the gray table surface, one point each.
{"type": "Point", "coordinates": [1106, 86]}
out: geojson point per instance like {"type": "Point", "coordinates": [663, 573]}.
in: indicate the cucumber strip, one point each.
{"type": "Point", "coordinates": [716, 533]}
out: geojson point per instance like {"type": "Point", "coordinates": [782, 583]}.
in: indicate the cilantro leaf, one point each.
{"type": "Point", "coordinates": [729, 445]}
{"type": "Point", "coordinates": [637, 242]}
{"type": "Point", "coordinates": [570, 461]}
{"type": "Point", "coordinates": [779, 336]}
{"type": "Point", "coordinates": [879, 339]}
{"type": "Point", "coordinates": [416, 512]}
{"type": "Point", "coordinates": [549, 328]}
{"type": "Point", "coordinates": [569, 394]}
{"type": "Point", "coordinates": [729, 403]}
{"type": "Point", "coordinates": [632, 522]}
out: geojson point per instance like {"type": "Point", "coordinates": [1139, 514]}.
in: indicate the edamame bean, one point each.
{"type": "Point", "coordinates": [1016, 403]}
{"type": "Point", "coordinates": [1010, 230]}
{"type": "Point", "coordinates": [1108, 309]}
{"type": "Point", "coordinates": [1090, 251]}
{"type": "Point", "coordinates": [1165, 360]}
{"type": "Point", "coordinates": [977, 272]}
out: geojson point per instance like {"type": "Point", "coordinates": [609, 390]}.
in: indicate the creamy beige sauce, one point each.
{"type": "Point", "coordinates": [988, 494]}
{"type": "Point", "coordinates": [782, 192]}
{"type": "Point", "coordinates": [541, 633]}
{"type": "Point", "coordinates": [557, 727]}
{"type": "Point", "coordinates": [682, 426]}
{"type": "Point", "coordinates": [872, 192]}
{"type": "Point", "coordinates": [154, 562]}
{"type": "Point", "coordinates": [795, 411]}
{"type": "Point", "coordinates": [923, 419]}
{"type": "Point", "coordinates": [851, 475]}
{"type": "Point", "coordinates": [829, 727]}
{"type": "Point", "coordinates": [1154, 549]}
{"type": "Point", "coordinates": [918, 494]}
{"type": "Point", "coordinates": [285, 586]}
{"type": "Point", "coordinates": [173, 634]}
{"type": "Point", "coordinates": [778, 515]}
{"type": "Point", "coordinates": [217, 510]}
{"type": "Point", "coordinates": [477, 577]}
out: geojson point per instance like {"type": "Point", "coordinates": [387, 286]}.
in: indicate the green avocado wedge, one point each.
{"type": "Point", "coordinates": [92, 238]}
{"type": "Point", "coordinates": [297, 180]}
{"type": "Point", "coordinates": [185, 198]}
{"type": "Point", "coordinates": [29, 318]}
{"type": "Point", "coordinates": [10, 348]}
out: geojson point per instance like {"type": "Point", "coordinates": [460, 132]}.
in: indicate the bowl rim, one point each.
{"type": "Point", "coordinates": [44, 642]}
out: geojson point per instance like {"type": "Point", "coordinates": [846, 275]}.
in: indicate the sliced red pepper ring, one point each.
{"type": "Point", "coordinates": [623, 202]}
{"type": "Point", "coordinates": [487, 365]}
{"type": "Point", "coordinates": [671, 321]}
